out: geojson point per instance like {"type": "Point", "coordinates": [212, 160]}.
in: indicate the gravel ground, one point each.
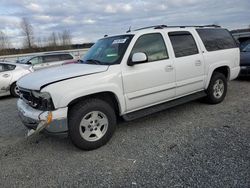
{"type": "Point", "coordinates": [192, 145]}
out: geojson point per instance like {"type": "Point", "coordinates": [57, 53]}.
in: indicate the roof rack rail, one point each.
{"type": "Point", "coordinates": [200, 26]}
{"type": "Point", "coordinates": [153, 26]}
{"type": "Point", "coordinates": [180, 26]}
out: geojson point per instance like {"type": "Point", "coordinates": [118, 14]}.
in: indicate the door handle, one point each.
{"type": "Point", "coordinates": [169, 68]}
{"type": "Point", "coordinates": [6, 75]}
{"type": "Point", "coordinates": [198, 63]}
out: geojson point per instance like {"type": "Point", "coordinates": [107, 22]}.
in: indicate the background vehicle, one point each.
{"type": "Point", "coordinates": [130, 75]}
{"type": "Point", "coordinates": [9, 74]}
{"type": "Point", "coordinates": [245, 57]}
{"type": "Point", "coordinates": [47, 60]}
{"type": "Point", "coordinates": [243, 38]}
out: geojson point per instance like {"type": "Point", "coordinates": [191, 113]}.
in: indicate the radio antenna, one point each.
{"type": "Point", "coordinates": [129, 30]}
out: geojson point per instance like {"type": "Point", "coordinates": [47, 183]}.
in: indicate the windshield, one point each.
{"type": "Point", "coordinates": [107, 51]}
{"type": "Point", "coordinates": [23, 61]}
{"type": "Point", "coordinates": [245, 44]}
{"type": "Point", "coordinates": [246, 48]}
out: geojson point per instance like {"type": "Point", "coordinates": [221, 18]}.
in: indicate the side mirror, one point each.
{"type": "Point", "coordinates": [28, 63]}
{"type": "Point", "coordinates": [137, 58]}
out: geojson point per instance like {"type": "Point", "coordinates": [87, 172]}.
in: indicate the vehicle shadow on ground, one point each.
{"type": "Point", "coordinates": [63, 142]}
{"type": "Point", "coordinates": [7, 97]}
{"type": "Point", "coordinates": [243, 78]}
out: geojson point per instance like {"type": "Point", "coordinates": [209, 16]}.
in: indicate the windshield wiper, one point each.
{"type": "Point", "coordinates": [94, 61]}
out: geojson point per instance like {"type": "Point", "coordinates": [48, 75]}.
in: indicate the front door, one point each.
{"type": "Point", "coordinates": [37, 63]}
{"type": "Point", "coordinates": [151, 82]}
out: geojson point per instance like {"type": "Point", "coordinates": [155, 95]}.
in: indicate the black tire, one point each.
{"type": "Point", "coordinates": [79, 111]}
{"type": "Point", "coordinates": [13, 90]}
{"type": "Point", "coordinates": [212, 98]}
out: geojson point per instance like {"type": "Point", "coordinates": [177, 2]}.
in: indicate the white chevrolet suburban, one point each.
{"type": "Point", "coordinates": [130, 75]}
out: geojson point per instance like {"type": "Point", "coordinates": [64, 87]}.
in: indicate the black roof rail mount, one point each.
{"type": "Point", "coordinates": [180, 26]}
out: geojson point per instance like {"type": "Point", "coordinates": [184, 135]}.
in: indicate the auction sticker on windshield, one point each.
{"type": "Point", "coordinates": [119, 41]}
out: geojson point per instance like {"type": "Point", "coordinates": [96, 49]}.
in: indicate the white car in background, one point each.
{"type": "Point", "coordinates": [9, 74]}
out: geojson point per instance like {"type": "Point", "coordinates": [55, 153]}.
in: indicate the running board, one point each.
{"type": "Point", "coordinates": [163, 106]}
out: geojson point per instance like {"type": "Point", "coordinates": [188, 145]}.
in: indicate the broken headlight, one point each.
{"type": "Point", "coordinates": [42, 101]}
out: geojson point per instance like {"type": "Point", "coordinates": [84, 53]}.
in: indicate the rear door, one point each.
{"type": "Point", "coordinates": [67, 59]}
{"type": "Point", "coordinates": [152, 82]}
{"type": "Point", "coordinates": [189, 63]}
{"type": "Point", "coordinates": [52, 60]}
{"type": "Point", "coordinates": [5, 77]}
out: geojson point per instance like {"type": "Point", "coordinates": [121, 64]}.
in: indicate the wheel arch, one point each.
{"type": "Point", "coordinates": [224, 69]}
{"type": "Point", "coordinates": [107, 96]}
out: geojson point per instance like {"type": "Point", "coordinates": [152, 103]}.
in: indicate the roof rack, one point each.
{"type": "Point", "coordinates": [153, 26]}
{"type": "Point", "coordinates": [183, 26]}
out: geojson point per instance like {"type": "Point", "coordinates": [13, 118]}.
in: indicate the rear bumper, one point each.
{"type": "Point", "coordinates": [33, 118]}
{"type": "Point", "coordinates": [244, 71]}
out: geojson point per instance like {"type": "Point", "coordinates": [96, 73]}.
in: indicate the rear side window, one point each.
{"type": "Point", "coordinates": [183, 43]}
{"type": "Point", "coordinates": [66, 57]}
{"type": "Point", "coordinates": [216, 39]}
{"type": "Point", "coordinates": [51, 58]}
{"type": "Point", "coordinates": [152, 45]}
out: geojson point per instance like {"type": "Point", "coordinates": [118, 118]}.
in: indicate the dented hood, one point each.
{"type": "Point", "coordinates": [41, 78]}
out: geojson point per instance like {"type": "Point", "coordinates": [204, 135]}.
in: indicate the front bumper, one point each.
{"type": "Point", "coordinates": [37, 120]}
{"type": "Point", "coordinates": [245, 71]}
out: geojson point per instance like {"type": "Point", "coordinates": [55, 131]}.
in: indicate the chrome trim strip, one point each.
{"type": "Point", "coordinates": [194, 82]}
{"type": "Point", "coordinates": [151, 93]}
{"type": "Point", "coordinates": [154, 92]}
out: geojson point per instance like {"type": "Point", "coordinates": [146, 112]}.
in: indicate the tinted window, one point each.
{"type": "Point", "coordinates": [183, 44]}
{"type": "Point", "coordinates": [216, 39]}
{"type": "Point", "coordinates": [246, 48]}
{"type": "Point", "coordinates": [51, 58]}
{"type": "Point", "coordinates": [152, 45]}
{"type": "Point", "coordinates": [244, 43]}
{"type": "Point", "coordinates": [6, 67]}
{"type": "Point", "coordinates": [65, 57]}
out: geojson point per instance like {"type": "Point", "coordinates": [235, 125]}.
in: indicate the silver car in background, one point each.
{"type": "Point", "coordinates": [47, 60]}
{"type": "Point", "coordinates": [9, 74]}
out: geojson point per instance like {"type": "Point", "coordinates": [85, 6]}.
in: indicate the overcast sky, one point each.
{"type": "Point", "coordinates": [90, 20]}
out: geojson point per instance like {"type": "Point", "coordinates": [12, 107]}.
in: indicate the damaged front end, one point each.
{"type": "Point", "coordinates": [37, 113]}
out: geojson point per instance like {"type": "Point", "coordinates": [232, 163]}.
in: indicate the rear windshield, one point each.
{"type": "Point", "coordinates": [216, 39]}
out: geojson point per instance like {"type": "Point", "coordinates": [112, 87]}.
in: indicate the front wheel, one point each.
{"type": "Point", "coordinates": [92, 123]}
{"type": "Point", "coordinates": [217, 88]}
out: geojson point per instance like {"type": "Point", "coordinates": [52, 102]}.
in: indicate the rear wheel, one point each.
{"type": "Point", "coordinates": [91, 123]}
{"type": "Point", "coordinates": [217, 88]}
{"type": "Point", "coordinates": [14, 91]}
